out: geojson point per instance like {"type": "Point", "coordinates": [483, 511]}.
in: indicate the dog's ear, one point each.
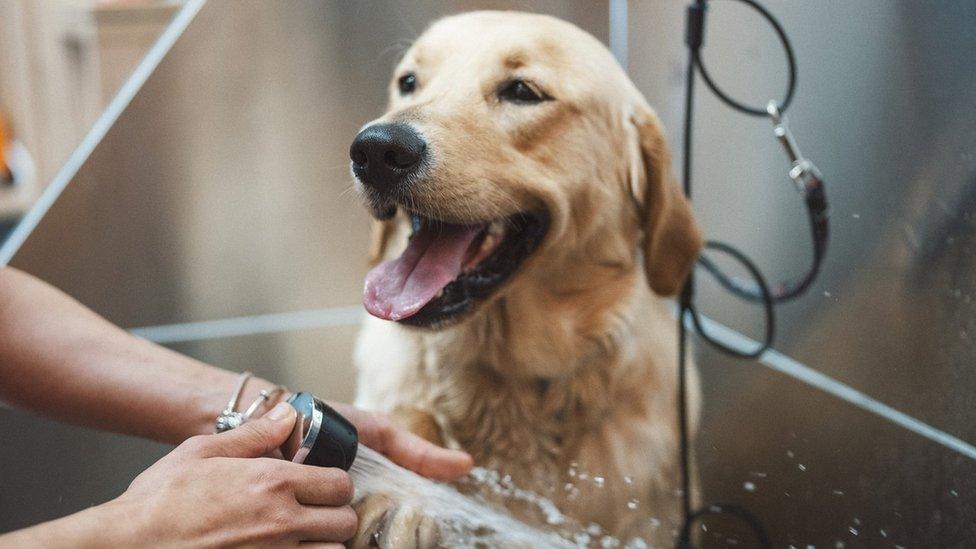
{"type": "Point", "coordinates": [379, 238]}
{"type": "Point", "coordinates": [672, 238]}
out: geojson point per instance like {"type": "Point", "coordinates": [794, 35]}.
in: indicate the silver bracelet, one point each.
{"type": "Point", "coordinates": [229, 418]}
{"type": "Point", "coordinates": [263, 397]}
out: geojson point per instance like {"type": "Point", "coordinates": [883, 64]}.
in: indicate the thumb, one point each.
{"type": "Point", "coordinates": [255, 438]}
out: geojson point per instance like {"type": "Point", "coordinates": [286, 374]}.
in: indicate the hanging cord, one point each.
{"type": "Point", "coordinates": [809, 183]}
{"type": "Point", "coordinates": [805, 175]}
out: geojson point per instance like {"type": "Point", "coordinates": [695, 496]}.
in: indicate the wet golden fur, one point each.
{"type": "Point", "coordinates": [573, 360]}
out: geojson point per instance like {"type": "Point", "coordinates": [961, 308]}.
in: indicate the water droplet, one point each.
{"type": "Point", "coordinates": [704, 527]}
{"type": "Point", "coordinates": [584, 476]}
{"type": "Point", "coordinates": [883, 533]}
{"type": "Point", "coordinates": [954, 493]}
{"type": "Point", "coordinates": [857, 521]}
{"type": "Point", "coordinates": [637, 543]}
{"type": "Point", "coordinates": [837, 492]}
{"type": "Point", "coordinates": [790, 454]}
{"type": "Point", "coordinates": [801, 467]}
{"type": "Point", "coordinates": [609, 542]}
{"type": "Point", "coordinates": [568, 486]}
{"type": "Point", "coordinates": [826, 294]}
{"type": "Point", "coordinates": [655, 523]}
{"type": "Point", "coordinates": [856, 216]}
{"type": "Point", "coordinates": [594, 529]}
{"type": "Point", "coordinates": [599, 481]}
{"type": "Point", "coordinates": [758, 474]}
{"type": "Point", "coordinates": [749, 486]}
{"type": "Point", "coordinates": [852, 530]}
{"type": "Point", "coordinates": [632, 504]}
{"type": "Point", "coordinates": [629, 480]}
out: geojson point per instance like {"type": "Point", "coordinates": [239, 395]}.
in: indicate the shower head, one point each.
{"type": "Point", "coordinates": [321, 436]}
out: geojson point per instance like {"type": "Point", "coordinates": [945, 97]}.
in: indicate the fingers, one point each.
{"type": "Point", "coordinates": [405, 448]}
{"type": "Point", "coordinates": [423, 457]}
{"type": "Point", "coordinates": [307, 484]}
{"type": "Point", "coordinates": [319, 485]}
{"type": "Point", "coordinates": [327, 524]}
{"type": "Point", "coordinates": [255, 438]}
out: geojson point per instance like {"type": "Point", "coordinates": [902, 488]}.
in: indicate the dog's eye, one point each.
{"type": "Point", "coordinates": [518, 91]}
{"type": "Point", "coordinates": [407, 83]}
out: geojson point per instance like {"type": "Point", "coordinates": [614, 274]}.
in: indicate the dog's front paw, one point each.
{"type": "Point", "coordinates": [386, 524]}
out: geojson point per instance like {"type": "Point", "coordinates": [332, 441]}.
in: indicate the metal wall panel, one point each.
{"type": "Point", "coordinates": [885, 108]}
{"type": "Point", "coordinates": [221, 192]}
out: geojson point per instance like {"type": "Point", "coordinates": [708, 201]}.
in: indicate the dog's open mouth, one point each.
{"type": "Point", "coordinates": [448, 268]}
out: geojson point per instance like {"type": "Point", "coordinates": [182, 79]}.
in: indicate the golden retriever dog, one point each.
{"type": "Point", "coordinates": [519, 181]}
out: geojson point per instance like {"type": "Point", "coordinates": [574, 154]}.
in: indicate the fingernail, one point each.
{"type": "Point", "coordinates": [280, 411]}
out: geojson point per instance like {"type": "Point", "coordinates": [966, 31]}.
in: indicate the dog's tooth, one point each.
{"type": "Point", "coordinates": [489, 242]}
{"type": "Point", "coordinates": [496, 228]}
{"type": "Point", "coordinates": [440, 293]}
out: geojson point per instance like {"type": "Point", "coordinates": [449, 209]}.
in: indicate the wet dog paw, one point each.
{"type": "Point", "coordinates": [385, 523]}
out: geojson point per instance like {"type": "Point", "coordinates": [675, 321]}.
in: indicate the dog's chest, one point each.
{"type": "Point", "coordinates": [606, 422]}
{"type": "Point", "coordinates": [518, 424]}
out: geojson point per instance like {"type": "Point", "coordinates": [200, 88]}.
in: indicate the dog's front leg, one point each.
{"type": "Point", "coordinates": [385, 522]}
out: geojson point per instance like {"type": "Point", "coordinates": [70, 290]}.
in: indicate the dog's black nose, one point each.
{"type": "Point", "coordinates": [384, 154]}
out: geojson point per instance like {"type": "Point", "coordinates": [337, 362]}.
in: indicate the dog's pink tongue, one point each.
{"type": "Point", "coordinates": [399, 288]}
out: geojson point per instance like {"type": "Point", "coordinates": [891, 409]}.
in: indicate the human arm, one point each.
{"type": "Point", "coordinates": [60, 359]}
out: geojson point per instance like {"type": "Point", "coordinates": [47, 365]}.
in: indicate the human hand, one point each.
{"type": "Point", "coordinates": [379, 433]}
{"type": "Point", "coordinates": [219, 490]}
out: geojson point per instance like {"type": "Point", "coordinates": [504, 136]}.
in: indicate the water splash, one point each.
{"type": "Point", "coordinates": [504, 487]}
{"type": "Point", "coordinates": [464, 521]}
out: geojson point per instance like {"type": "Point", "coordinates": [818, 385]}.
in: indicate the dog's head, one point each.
{"type": "Point", "coordinates": [514, 148]}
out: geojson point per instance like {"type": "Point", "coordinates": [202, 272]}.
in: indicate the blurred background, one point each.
{"type": "Point", "coordinates": [216, 215]}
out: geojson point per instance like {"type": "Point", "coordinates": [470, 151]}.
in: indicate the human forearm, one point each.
{"type": "Point", "coordinates": [106, 525]}
{"type": "Point", "coordinates": [59, 359]}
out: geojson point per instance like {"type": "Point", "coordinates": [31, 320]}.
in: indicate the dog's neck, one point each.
{"type": "Point", "coordinates": [556, 361]}
{"type": "Point", "coordinates": [565, 314]}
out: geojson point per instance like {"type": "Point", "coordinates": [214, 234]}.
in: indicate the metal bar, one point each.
{"type": "Point", "coordinates": [251, 325]}
{"type": "Point", "coordinates": [783, 364]}
{"type": "Point", "coordinates": [351, 315]}
{"type": "Point", "coordinates": [101, 127]}
{"type": "Point", "coordinates": [618, 31]}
